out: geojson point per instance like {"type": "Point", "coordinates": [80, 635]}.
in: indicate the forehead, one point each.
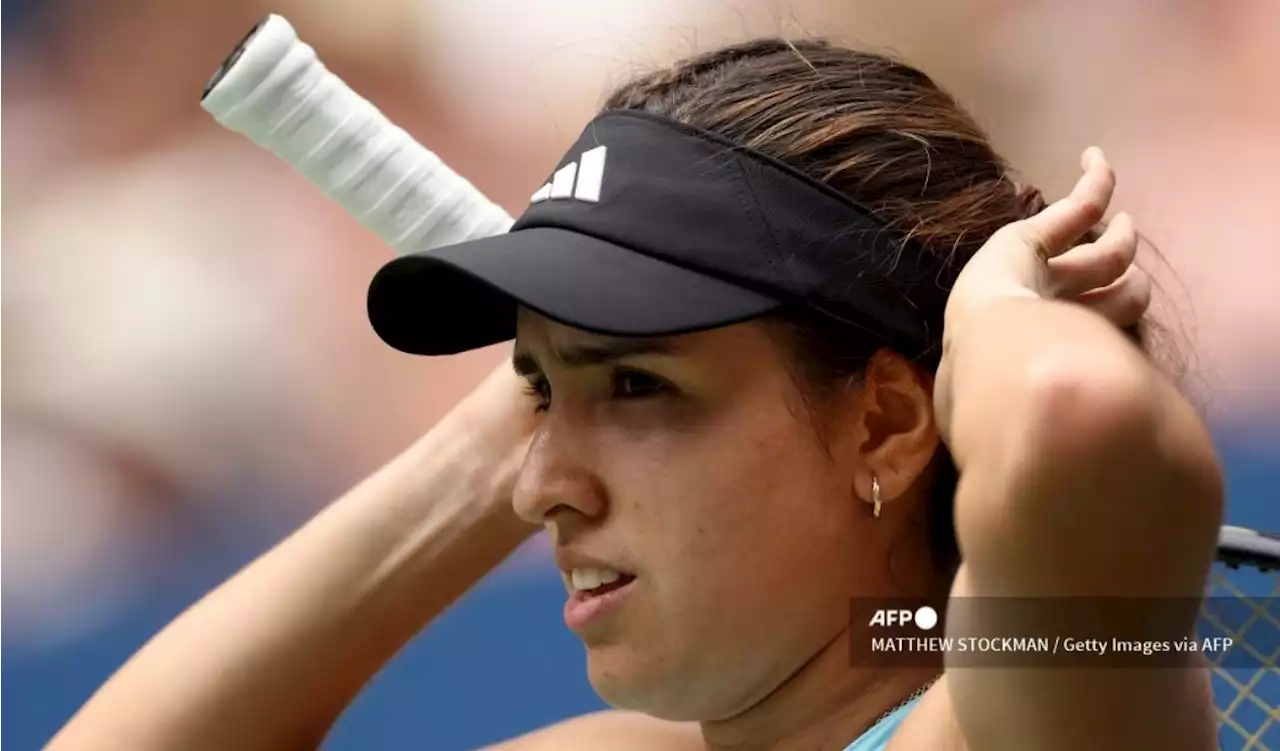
{"type": "Point", "coordinates": [540, 337]}
{"type": "Point", "coordinates": [541, 342]}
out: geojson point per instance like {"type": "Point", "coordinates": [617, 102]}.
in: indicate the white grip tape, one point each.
{"type": "Point", "coordinates": [279, 94]}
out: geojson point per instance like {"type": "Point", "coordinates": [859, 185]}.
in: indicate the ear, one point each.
{"type": "Point", "coordinates": [896, 433]}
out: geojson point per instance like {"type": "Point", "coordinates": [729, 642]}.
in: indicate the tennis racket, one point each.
{"type": "Point", "coordinates": [274, 89]}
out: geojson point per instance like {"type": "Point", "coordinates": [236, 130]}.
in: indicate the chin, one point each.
{"type": "Point", "coordinates": [648, 684]}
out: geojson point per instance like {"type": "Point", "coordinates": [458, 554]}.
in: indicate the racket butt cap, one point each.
{"type": "Point", "coordinates": [249, 64]}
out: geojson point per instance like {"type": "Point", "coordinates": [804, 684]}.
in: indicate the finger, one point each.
{"type": "Point", "coordinates": [1124, 301]}
{"type": "Point", "coordinates": [1096, 264]}
{"type": "Point", "coordinates": [1063, 222]}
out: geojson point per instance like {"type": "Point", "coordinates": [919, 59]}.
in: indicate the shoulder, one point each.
{"type": "Point", "coordinates": [612, 729]}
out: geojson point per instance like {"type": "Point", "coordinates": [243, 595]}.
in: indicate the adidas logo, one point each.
{"type": "Point", "coordinates": [571, 181]}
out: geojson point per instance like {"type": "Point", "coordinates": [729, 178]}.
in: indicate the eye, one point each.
{"type": "Point", "coordinates": [632, 384]}
{"type": "Point", "coordinates": [539, 388]}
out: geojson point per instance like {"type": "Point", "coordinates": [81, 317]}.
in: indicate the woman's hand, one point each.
{"type": "Point", "coordinates": [1038, 257]}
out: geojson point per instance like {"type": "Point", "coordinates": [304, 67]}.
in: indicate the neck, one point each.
{"type": "Point", "coordinates": [824, 705]}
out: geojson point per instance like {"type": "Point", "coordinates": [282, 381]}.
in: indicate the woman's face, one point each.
{"type": "Point", "coordinates": [690, 466]}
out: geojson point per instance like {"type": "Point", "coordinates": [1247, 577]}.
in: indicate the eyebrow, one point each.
{"type": "Point", "coordinates": [595, 354]}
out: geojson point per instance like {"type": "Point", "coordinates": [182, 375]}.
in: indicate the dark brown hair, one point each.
{"type": "Point", "coordinates": [887, 136]}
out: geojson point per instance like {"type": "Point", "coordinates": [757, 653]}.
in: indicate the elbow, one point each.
{"type": "Point", "coordinates": [1076, 409]}
{"type": "Point", "coordinates": [1100, 460]}
{"type": "Point", "coordinates": [1124, 425]}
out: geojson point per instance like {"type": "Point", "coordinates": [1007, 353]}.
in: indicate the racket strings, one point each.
{"type": "Point", "coordinates": [1245, 698]}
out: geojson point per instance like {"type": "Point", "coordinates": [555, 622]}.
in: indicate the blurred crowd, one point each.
{"type": "Point", "coordinates": [186, 359]}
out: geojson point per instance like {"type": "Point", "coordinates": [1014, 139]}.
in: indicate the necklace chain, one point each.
{"type": "Point", "coordinates": [914, 695]}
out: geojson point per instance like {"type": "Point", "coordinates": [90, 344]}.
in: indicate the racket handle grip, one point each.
{"type": "Point", "coordinates": [274, 89]}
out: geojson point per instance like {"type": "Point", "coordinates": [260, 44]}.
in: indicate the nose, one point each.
{"type": "Point", "coordinates": [556, 480]}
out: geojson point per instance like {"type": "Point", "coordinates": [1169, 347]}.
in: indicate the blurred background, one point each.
{"type": "Point", "coordinates": [188, 373]}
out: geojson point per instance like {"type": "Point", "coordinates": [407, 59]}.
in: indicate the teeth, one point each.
{"type": "Point", "coordinates": [590, 578]}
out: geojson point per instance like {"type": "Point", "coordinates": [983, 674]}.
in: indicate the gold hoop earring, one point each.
{"type": "Point", "coordinates": [875, 496]}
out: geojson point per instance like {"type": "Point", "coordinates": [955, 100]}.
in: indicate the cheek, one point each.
{"type": "Point", "coordinates": [751, 505]}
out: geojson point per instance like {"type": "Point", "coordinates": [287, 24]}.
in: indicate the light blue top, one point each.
{"type": "Point", "coordinates": [878, 735]}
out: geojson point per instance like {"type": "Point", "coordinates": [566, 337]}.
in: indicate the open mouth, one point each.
{"type": "Point", "coordinates": [588, 583]}
{"type": "Point", "coordinates": [593, 596]}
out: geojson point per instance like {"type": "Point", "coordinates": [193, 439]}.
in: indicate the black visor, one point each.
{"type": "Point", "coordinates": [652, 228]}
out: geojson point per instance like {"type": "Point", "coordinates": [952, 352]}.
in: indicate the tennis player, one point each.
{"type": "Point", "coordinates": [790, 335]}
